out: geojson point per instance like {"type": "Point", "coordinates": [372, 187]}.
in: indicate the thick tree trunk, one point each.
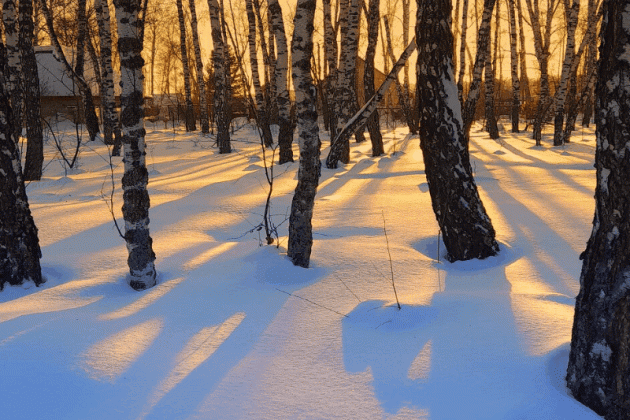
{"type": "Point", "coordinates": [189, 116]}
{"type": "Point", "coordinates": [516, 85]}
{"type": "Point", "coordinates": [19, 245]}
{"type": "Point", "coordinates": [569, 56]}
{"type": "Point", "coordinates": [135, 179]}
{"type": "Point", "coordinates": [285, 135]}
{"type": "Point", "coordinates": [111, 132]}
{"type": "Point", "coordinates": [599, 369]}
{"type": "Point", "coordinates": [483, 41]}
{"type": "Point", "coordinates": [261, 115]}
{"type": "Point", "coordinates": [203, 102]}
{"type": "Point", "coordinates": [221, 88]}
{"type": "Point", "coordinates": [373, 123]}
{"type": "Point", "coordinates": [466, 228]}
{"type": "Point", "coordinates": [34, 163]}
{"type": "Point", "coordinates": [300, 225]}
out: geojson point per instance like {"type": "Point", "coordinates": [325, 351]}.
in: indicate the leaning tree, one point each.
{"type": "Point", "coordinates": [465, 225]}
{"type": "Point", "coordinates": [599, 363]}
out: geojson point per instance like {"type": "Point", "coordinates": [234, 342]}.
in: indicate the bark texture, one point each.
{"type": "Point", "coordinates": [221, 88]}
{"type": "Point", "coordinates": [599, 363]}
{"type": "Point", "coordinates": [33, 166]}
{"type": "Point", "coordinates": [190, 111]}
{"type": "Point", "coordinates": [136, 177]}
{"type": "Point", "coordinates": [203, 102]}
{"type": "Point", "coordinates": [465, 225]}
{"type": "Point", "coordinates": [373, 123]}
{"type": "Point", "coordinates": [13, 64]}
{"type": "Point", "coordinates": [19, 245]}
{"type": "Point", "coordinates": [514, 62]}
{"type": "Point", "coordinates": [300, 220]}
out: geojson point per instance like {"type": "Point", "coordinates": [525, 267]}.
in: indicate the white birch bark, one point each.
{"type": "Point", "coordinates": [569, 57]}
{"type": "Point", "coordinates": [14, 61]}
{"type": "Point", "coordinates": [219, 63]}
{"type": "Point", "coordinates": [190, 111]}
{"type": "Point", "coordinates": [462, 52]}
{"type": "Point", "coordinates": [108, 101]}
{"type": "Point", "coordinates": [300, 221]}
{"type": "Point", "coordinates": [203, 102]}
{"type": "Point", "coordinates": [373, 122]}
{"type": "Point", "coordinates": [331, 52]}
{"type": "Point", "coordinates": [516, 85]}
{"type": "Point", "coordinates": [136, 177]}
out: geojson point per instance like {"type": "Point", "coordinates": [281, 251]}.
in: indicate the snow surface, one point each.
{"type": "Point", "coordinates": [234, 331]}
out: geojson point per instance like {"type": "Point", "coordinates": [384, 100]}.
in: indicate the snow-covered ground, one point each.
{"type": "Point", "coordinates": [234, 331]}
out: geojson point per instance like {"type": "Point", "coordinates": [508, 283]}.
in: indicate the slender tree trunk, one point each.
{"type": "Point", "coordinates": [203, 103]}
{"type": "Point", "coordinates": [591, 60]}
{"type": "Point", "coordinates": [330, 49]}
{"type": "Point", "coordinates": [135, 179]}
{"type": "Point", "coordinates": [516, 85]}
{"type": "Point", "coordinates": [111, 132]}
{"type": "Point", "coordinates": [34, 164]}
{"type": "Point", "coordinates": [373, 123]}
{"type": "Point", "coordinates": [261, 114]}
{"type": "Point", "coordinates": [89, 111]}
{"type": "Point", "coordinates": [190, 110]}
{"type": "Point", "coordinates": [483, 41]}
{"type": "Point", "coordinates": [221, 69]}
{"type": "Point", "coordinates": [19, 246]}
{"type": "Point", "coordinates": [599, 369]}
{"type": "Point", "coordinates": [300, 225]}
{"type": "Point", "coordinates": [561, 92]}
{"type": "Point", "coordinates": [466, 228]}
{"type": "Point", "coordinates": [462, 52]}
{"type": "Point", "coordinates": [522, 52]}
{"type": "Point", "coordinates": [491, 119]}
{"type": "Point", "coordinates": [285, 135]}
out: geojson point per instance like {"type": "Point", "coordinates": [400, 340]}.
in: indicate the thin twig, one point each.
{"type": "Point", "coordinates": [391, 266]}
{"type": "Point", "coordinates": [342, 282]}
{"type": "Point", "coordinates": [314, 303]}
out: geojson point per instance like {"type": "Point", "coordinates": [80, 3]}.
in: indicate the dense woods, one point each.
{"type": "Point", "coordinates": [343, 68]}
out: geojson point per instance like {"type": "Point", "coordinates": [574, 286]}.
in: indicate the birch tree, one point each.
{"type": "Point", "coordinates": [14, 62]}
{"type": "Point", "coordinates": [331, 52]}
{"type": "Point", "coordinates": [598, 373]}
{"type": "Point", "coordinates": [136, 177]}
{"type": "Point", "coordinates": [300, 221]}
{"type": "Point", "coordinates": [465, 225]}
{"type": "Point", "coordinates": [483, 41]}
{"type": "Point", "coordinates": [221, 88]}
{"type": "Point", "coordinates": [262, 119]}
{"type": "Point", "coordinates": [111, 132]}
{"type": "Point", "coordinates": [373, 123]}
{"type": "Point", "coordinates": [203, 102]}
{"type": "Point", "coordinates": [514, 62]}
{"type": "Point", "coordinates": [33, 165]}
{"type": "Point", "coordinates": [491, 119]}
{"type": "Point", "coordinates": [281, 73]}
{"type": "Point", "coordinates": [462, 52]}
{"type": "Point", "coordinates": [190, 111]}
{"type": "Point", "coordinates": [561, 93]}
{"type": "Point", "coordinates": [19, 245]}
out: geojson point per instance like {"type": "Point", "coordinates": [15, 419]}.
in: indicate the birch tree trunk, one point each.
{"type": "Point", "coordinates": [373, 123]}
{"type": "Point", "coordinates": [13, 64]}
{"type": "Point", "coordinates": [599, 370]}
{"type": "Point", "coordinates": [483, 42]}
{"type": "Point", "coordinates": [87, 98]}
{"type": "Point", "coordinates": [561, 92]}
{"type": "Point", "coordinates": [203, 102]}
{"type": "Point", "coordinates": [190, 110]}
{"type": "Point", "coordinates": [19, 246]}
{"type": "Point", "coordinates": [300, 225]}
{"type": "Point", "coordinates": [285, 134]}
{"type": "Point", "coordinates": [34, 163]}
{"type": "Point", "coordinates": [466, 228]}
{"type": "Point", "coordinates": [261, 115]}
{"type": "Point", "coordinates": [491, 119]}
{"type": "Point", "coordinates": [591, 60]}
{"type": "Point", "coordinates": [462, 52]}
{"type": "Point", "coordinates": [111, 132]}
{"type": "Point", "coordinates": [221, 88]}
{"type": "Point", "coordinates": [331, 51]}
{"type": "Point", "coordinates": [135, 179]}
{"type": "Point", "coordinates": [516, 85]}
{"type": "Point", "coordinates": [522, 52]}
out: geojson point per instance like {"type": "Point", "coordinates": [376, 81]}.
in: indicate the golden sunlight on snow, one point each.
{"type": "Point", "coordinates": [109, 358]}
{"type": "Point", "coordinates": [421, 365]}
{"type": "Point", "coordinates": [204, 257]}
{"type": "Point", "coordinates": [198, 349]}
{"type": "Point", "coordinates": [540, 312]}
{"type": "Point", "coordinates": [147, 299]}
